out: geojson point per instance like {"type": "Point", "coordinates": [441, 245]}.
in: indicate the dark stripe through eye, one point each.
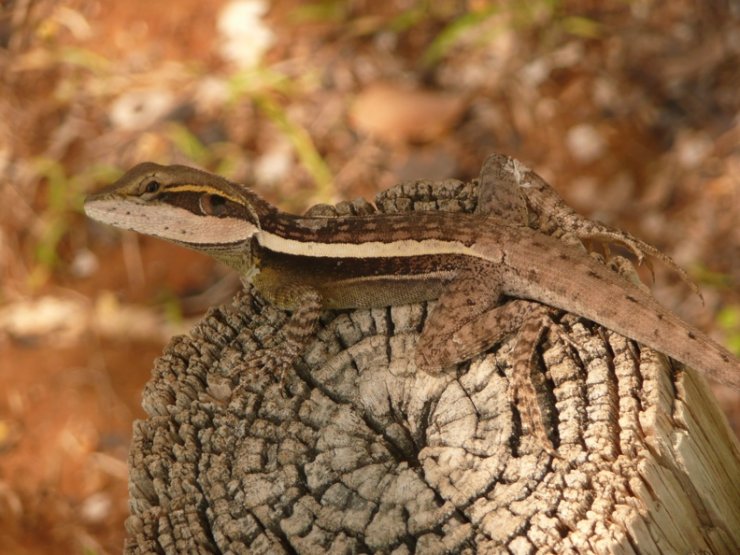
{"type": "Point", "coordinates": [213, 205]}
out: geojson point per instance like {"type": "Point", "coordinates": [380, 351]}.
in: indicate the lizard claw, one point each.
{"type": "Point", "coordinates": [640, 250]}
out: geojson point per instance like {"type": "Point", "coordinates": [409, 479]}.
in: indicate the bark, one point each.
{"type": "Point", "coordinates": [354, 451]}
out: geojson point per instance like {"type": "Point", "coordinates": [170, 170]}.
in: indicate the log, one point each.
{"type": "Point", "coordinates": [354, 451]}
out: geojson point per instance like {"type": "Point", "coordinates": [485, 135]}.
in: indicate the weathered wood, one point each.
{"type": "Point", "coordinates": [356, 452]}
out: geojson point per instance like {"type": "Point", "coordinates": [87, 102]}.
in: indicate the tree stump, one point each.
{"type": "Point", "coordinates": [354, 451]}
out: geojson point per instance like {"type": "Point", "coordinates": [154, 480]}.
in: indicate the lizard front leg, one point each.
{"type": "Point", "coordinates": [306, 305]}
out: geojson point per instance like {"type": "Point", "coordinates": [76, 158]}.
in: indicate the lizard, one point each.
{"type": "Point", "coordinates": [467, 262]}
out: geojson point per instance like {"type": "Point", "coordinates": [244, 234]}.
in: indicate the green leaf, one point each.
{"type": "Point", "coordinates": [582, 27]}
{"type": "Point", "coordinates": [302, 143]}
{"type": "Point", "coordinates": [448, 37]}
{"type": "Point", "coordinates": [728, 320]}
{"type": "Point", "coordinates": [187, 143]}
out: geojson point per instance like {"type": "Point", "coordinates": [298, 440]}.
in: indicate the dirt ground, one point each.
{"type": "Point", "coordinates": [630, 109]}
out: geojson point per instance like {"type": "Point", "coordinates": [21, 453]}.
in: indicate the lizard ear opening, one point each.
{"type": "Point", "coordinates": [213, 205]}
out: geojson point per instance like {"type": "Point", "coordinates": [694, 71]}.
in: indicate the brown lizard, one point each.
{"type": "Point", "coordinates": [466, 261]}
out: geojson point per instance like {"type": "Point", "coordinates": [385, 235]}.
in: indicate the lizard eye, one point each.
{"type": "Point", "coordinates": [213, 205]}
{"type": "Point", "coordinates": [151, 187]}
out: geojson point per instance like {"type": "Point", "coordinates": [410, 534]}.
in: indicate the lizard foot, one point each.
{"type": "Point", "coordinates": [640, 249]}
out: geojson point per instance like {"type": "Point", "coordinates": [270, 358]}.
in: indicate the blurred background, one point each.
{"type": "Point", "coordinates": [629, 108]}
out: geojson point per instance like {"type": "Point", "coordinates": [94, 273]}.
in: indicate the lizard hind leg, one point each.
{"type": "Point", "coordinates": [512, 191]}
{"type": "Point", "coordinates": [444, 346]}
{"type": "Point", "coordinates": [451, 332]}
{"type": "Point", "coordinates": [466, 321]}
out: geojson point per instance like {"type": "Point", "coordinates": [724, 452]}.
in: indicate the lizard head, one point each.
{"type": "Point", "coordinates": [181, 204]}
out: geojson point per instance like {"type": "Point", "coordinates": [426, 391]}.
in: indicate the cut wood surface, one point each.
{"type": "Point", "coordinates": [354, 451]}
